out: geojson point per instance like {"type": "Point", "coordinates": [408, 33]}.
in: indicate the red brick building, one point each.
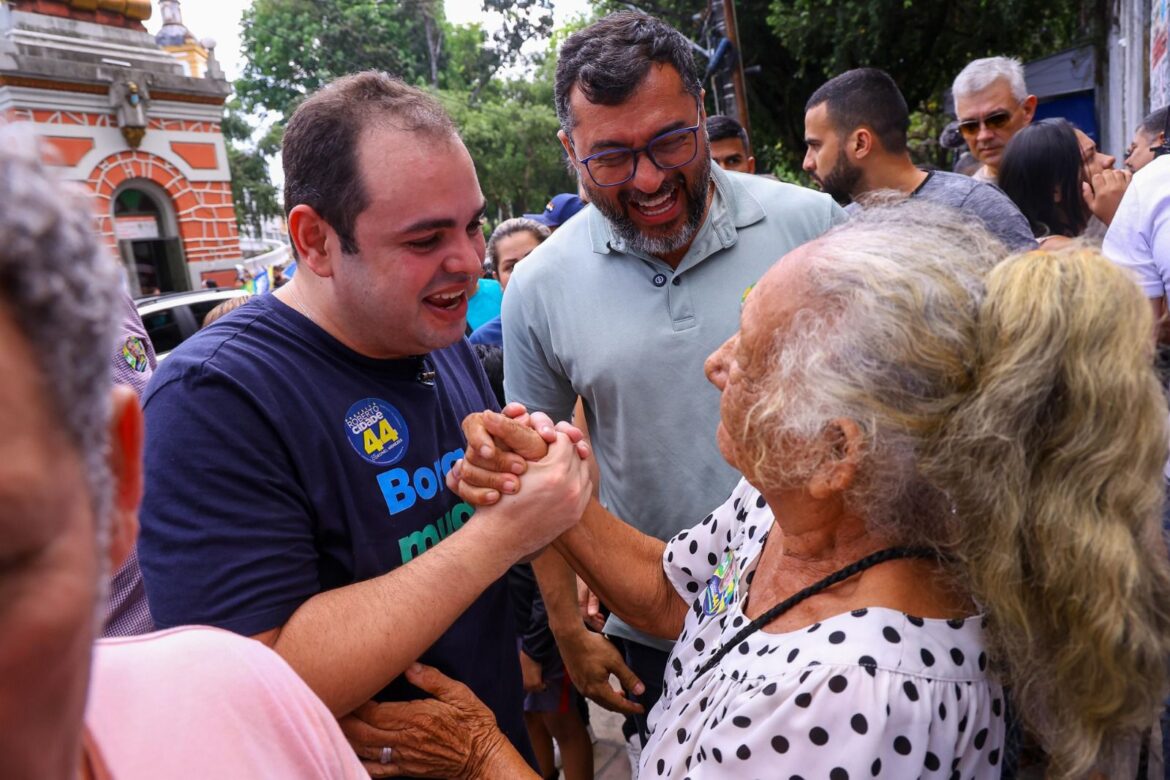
{"type": "Point", "coordinates": [137, 121]}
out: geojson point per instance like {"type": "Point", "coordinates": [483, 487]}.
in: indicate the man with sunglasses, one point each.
{"type": "Point", "coordinates": [993, 104]}
{"type": "Point", "coordinates": [622, 305]}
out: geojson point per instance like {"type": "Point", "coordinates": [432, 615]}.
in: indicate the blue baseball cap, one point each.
{"type": "Point", "coordinates": [558, 210]}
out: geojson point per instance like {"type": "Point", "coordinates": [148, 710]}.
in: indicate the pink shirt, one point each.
{"type": "Point", "coordinates": [197, 702]}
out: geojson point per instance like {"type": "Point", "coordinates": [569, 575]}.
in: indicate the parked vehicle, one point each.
{"type": "Point", "coordinates": [173, 318]}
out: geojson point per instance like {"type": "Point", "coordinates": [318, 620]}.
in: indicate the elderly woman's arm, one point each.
{"type": "Point", "coordinates": [623, 566]}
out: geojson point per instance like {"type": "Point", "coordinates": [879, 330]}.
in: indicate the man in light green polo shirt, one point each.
{"type": "Point", "coordinates": [624, 303]}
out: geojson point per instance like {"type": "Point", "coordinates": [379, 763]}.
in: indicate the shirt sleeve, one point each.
{"type": "Point", "coordinates": [227, 535]}
{"type": "Point", "coordinates": [533, 375]}
{"type": "Point", "coordinates": [691, 557]}
{"type": "Point", "coordinates": [1126, 245]}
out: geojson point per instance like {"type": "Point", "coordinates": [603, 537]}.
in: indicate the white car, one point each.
{"type": "Point", "coordinates": [173, 318]}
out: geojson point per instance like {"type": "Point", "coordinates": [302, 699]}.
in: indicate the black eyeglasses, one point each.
{"type": "Point", "coordinates": [996, 120]}
{"type": "Point", "coordinates": [673, 149]}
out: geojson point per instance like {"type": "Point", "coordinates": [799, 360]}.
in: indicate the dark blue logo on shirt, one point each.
{"type": "Point", "coordinates": [377, 431]}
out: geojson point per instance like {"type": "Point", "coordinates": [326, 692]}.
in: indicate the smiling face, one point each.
{"type": "Point", "coordinates": [420, 246]}
{"type": "Point", "coordinates": [987, 143]}
{"type": "Point", "coordinates": [658, 211]}
{"type": "Point", "coordinates": [49, 571]}
{"type": "Point", "coordinates": [740, 367]}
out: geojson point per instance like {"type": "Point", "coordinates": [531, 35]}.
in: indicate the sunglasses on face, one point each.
{"type": "Point", "coordinates": [997, 120]}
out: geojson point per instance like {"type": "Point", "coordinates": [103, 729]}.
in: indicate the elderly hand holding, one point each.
{"type": "Point", "coordinates": [450, 736]}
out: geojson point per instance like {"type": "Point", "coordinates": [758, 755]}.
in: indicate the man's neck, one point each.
{"type": "Point", "coordinates": [896, 172]}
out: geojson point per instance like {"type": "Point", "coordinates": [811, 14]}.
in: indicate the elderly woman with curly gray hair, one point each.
{"type": "Point", "coordinates": [951, 488]}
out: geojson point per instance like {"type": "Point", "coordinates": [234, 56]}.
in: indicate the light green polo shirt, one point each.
{"type": "Point", "coordinates": [586, 315]}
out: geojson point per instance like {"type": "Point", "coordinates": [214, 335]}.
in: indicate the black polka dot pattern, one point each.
{"type": "Point", "coordinates": [870, 692]}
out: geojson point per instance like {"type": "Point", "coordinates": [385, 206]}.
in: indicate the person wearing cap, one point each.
{"type": "Point", "coordinates": [558, 211]}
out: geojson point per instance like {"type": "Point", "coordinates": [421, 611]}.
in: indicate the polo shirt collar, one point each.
{"type": "Point", "coordinates": [732, 208]}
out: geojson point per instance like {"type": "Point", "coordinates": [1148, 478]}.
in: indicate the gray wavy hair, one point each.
{"type": "Point", "coordinates": [1010, 416]}
{"type": "Point", "coordinates": [861, 347]}
{"type": "Point", "coordinates": [62, 290]}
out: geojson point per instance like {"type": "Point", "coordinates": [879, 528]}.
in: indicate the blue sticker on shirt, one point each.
{"type": "Point", "coordinates": [377, 431]}
{"type": "Point", "coordinates": [722, 586]}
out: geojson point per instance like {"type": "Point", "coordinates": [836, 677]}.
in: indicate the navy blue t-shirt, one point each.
{"type": "Point", "coordinates": [280, 464]}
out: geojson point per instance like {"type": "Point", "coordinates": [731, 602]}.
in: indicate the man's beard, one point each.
{"type": "Point", "coordinates": [658, 244]}
{"type": "Point", "coordinates": [842, 181]}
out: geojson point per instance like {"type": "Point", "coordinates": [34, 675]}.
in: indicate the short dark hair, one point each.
{"type": "Point", "coordinates": [1155, 122]}
{"type": "Point", "coordinates": [320, 147]}
{"type": "Point", "coordinates": [866, 96]}
{"type": "Point", "coordinates": [721, 127]}
{"type": "Point", "coordinates": [1042, 159]}
{"type": "Point", "coordinates": [610, 58]}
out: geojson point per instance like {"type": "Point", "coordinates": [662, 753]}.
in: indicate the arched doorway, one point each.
{"type": "Point", "coordinates": [148, 238]}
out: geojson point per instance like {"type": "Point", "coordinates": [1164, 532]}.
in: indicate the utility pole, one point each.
{"type": "Point", "coordinates": [727, 80]}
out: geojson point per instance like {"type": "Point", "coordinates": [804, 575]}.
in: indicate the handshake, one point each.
{"type": "Point", "coordinates": [552, 460]}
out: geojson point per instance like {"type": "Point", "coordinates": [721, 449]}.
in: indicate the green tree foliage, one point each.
{"type": "Point", "coordinates": [253, 192]}
{"type": "Point", "coordinates": [799, 44]}
{"type": "Point", "coordinates": [293, 47]}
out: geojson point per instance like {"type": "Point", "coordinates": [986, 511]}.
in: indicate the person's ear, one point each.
{"type": "Point", "coordinates": [125, 464]}
{"type": "Point", "coordinates": [313, 238]}
{"type": "Point", "coordinates": [1029, 107]}
{"type": "Point", "coordinates": [563, 137]}
{"type": "Point", "coordinates": [861, 143]}
{"type": "Point", "coordinates": [843, 444]}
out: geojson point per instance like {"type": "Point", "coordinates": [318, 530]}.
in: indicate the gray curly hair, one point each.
{"type": "Point", "coordinates": [62, 291]}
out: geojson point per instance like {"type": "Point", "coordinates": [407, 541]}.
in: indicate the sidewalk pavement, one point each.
{"type": "Point", "coordinates": [610, 760]}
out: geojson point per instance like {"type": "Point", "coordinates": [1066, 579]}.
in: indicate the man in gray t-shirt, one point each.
{"type": "Point", "coordinates": [855, 126]}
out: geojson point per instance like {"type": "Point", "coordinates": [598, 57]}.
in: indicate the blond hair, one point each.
{"type": "Point", "coordinates": [1010, 417]}
{"type": "Point", "coordinates": [1055, 461]}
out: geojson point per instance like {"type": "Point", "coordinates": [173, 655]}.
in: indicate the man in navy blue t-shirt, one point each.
{"type": "Point", "coordinates": [297, 448]}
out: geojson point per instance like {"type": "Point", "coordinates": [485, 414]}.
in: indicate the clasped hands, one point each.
{"type": "Point", "coordinates": [500, 449]}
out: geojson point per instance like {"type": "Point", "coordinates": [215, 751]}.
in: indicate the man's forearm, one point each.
{"type": "Point", "coordinates": [349, 643]}
{"type": "Point", "coordinates": [623, 566]}
{"type": "Point", "coordinates": [558, 588]}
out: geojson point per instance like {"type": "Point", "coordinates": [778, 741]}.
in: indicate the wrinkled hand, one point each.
{"type": "Point", "coordinates": [453, 735]}
{"type": "Point", "coordinates": [499, 447]}
{"type": "Point", "coordinates": [1104, 195]}
{"type": "Point", "coordinates": [590, 659]}
{"type": "Point", "coordinates": [531, 673]}
{"type": "Point", "coordinates": [589, 606]}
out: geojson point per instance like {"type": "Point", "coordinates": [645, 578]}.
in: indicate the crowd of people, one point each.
{"type": "Point", "coordinates": [859, 482]}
